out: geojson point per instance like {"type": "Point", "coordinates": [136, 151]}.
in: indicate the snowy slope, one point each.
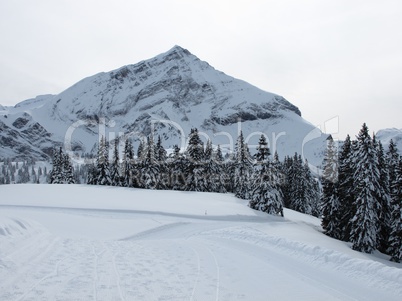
{"type": "Point", "coordinates": [173, 92]}
{"type": "Point", "coordinates": [386, 135]}
{"type": "Point", "coordinates": [60, 242]}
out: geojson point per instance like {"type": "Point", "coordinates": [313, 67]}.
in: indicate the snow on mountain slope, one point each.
{"type": "Point", "coordinates": [386, 135]}
{"type": "Point", "coordinates": [174, 92]}
{"type": "Point", "coordinates": [71, 242]}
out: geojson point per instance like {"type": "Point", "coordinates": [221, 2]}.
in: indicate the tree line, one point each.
{"type": "Point", "coordinates": [22, 172]}
{"type": "Point", "coordinates": [361, 202]}
{"type": "Point", "coordinates": [268, 184]}
{"type": "Point", "coordinates": [357, 196]}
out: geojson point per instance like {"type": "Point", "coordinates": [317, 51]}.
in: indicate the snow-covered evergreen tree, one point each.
{"type": "Point", "coordinates": [195, 169]}
{"type": "Point", "coordinates": [92, 175]}
{"type": "Point", "coordinates": [150, 167]}
{"type": "Point", "coordinates": [263, 151]}
{"type": "Point", "coordinates": [312, 192]}
{"type": "Point", "coordinates": [266, 194]}
{"type": "Point", "coordinates": [383, 195]}
{"type": "Point", "coordinates": [102, 163]}
{"type": "Point", "coordinates": [128, 161]}
{"type": "Point", "coordinates": [242, 169]}
{"type": "Point", "coordinates": [365, 223]}
{"type": "Point", "coordinates": [177, 168]}
{"type": "Point", "coordinates": [56, 174]}
{"type": "Point", "coordinates": [330, 205]}
{"type": "Point", "coordinates": [115, 166]}
{"type": "Point", "coordinates": [395, 171]}
{"type": "Point", "coordinates": [346, 188]}
{"type": "Point", "coordinates": [161, 159]}
{"type": "Point", "coordinates": [160, 151]}
{"type": "Point", "coordinates": [68, 170]}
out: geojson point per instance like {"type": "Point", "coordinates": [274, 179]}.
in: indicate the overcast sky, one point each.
{"type": "Point", "coordinates": [331, 58]}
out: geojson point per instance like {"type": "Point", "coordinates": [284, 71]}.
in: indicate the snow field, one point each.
{"type": "Point", "coordinates": [72, 242]}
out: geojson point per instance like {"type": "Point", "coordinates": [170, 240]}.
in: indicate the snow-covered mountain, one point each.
{"type": "Point", "coordinates": [171, 93]}
{"type": "Point", "coordinates": [386, 135]}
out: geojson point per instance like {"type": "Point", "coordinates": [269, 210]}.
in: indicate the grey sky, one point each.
{"type": "Point", "coordinates": [330, 58]}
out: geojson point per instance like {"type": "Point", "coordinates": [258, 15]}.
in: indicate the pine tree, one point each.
{"type": "Point", "coordinates": [266, 192]}
{"type": "Point", "coordinates": [383, 195]}
{"type": "Point", "coordinates": [102, 164]}
{"type": "Point", "coordinates": [263, 151]}
{"type": "Point", "coordinates": [33, 174]}
{"type": "Point", "coordinates": [92, 175]}
{"type": "Point", "coordinates": [219, 172]}
{"type": "Point", "coordinates": [312, 193]}
{"type": "Point", "coordinates": [68, 170]}
{"type": "Point", "coordinates": [150, 167]}
{"type": "Point", "coordinates": [56, 174]}
{"type": "Point", "coordinates": [395, 178]}
{"type": "Point", "coordinates": [115, 167]}
{"type": "Point", "coordinates": [128, 160]}
{"type": "Point", "coordinates": [242, 169]}
{"type": "Point", "coordinates": [364, 224]}
{"type": "Point", "coordinates": [141, 151]}
{"type": "Point", "coordinates": [161, 160]}
{"type": "Point", "coordinates": [330, 205]}
{"type": "Point", "coordinates": [346, 188]}
{"type": "Point", "coordinates": [160, 151]}
{"type": "Point", "coordinates": [296, 185]}
{"type": "Point", "coordinates": [195, 157]}
{"type": "Point", "coordinates": [177, 168]}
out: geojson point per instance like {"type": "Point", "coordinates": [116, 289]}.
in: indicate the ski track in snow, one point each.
{"type": "Point", "coordinates": [180, 258]}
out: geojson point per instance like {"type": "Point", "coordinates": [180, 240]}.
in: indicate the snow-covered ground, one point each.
{"type": "Point", "coordinates": [72, 242]}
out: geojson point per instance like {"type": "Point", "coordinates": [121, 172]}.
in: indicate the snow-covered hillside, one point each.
{"type": "Point", "coordinates": [172, 92]}
{"type": "Point", "coordinates": [71, 242]}
{"type": "Point", "coordinates": [386, 135]}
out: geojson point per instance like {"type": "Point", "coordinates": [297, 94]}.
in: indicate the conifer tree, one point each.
{"type": "Point", "coordinates": [150, 167]}
{"type": "Point", "coordinates": [242, 168]}
{"type": "Point", "coordinates": [115, 166]}
{"type": "Point", "coordinates": [68, 170]}
{"type": "Point", "coordinates": [92, 175]}
{"type": "Point", "coordinates": [383, 196]}
{"type": "Point", "coordinates": [346, 188]}
{"type": "Point", "coordinates": [102, 164]}
{"type": "Point", "coordinates": [330, 205]}
{"type": "Point", "coordinates": [365, 223]}
{"type": "Point", "coordinates": [160, 151]}
{"type": "Point", "coordinates": [161, 158]}
{"type": "Point", "coordinates": [266, 194]}
{"type": "Point", "coordinates": [263, 151]}
{"type": "Point", "coordinates": [395, 177]}
{"type": "Point", "coordinates": [177, 167]}
{"type": "Point", "coordinates": [195, 156]}
{"type": "Point", "coordinates": [219, 172]}
{"type": "Point", "coordinates": [141, 151]}
{"type": "Point", "coordinates": [296, 185]}
{"type": "Point", "coordinates": [128, 161]}
{"type": "Point", "coordinates": [56, 174]}
{"type": "Point", "coordinates": [312, 193]}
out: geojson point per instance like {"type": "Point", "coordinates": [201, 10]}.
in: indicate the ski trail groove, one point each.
{"type": "Point", "coordinates": [53, 274]}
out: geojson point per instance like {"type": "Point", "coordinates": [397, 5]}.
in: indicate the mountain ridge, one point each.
{"type": "Point", "coordinates": [176, 87]}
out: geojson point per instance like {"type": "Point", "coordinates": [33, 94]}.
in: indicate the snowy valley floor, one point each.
{"type": "Point", "coordinates": [73, 242]}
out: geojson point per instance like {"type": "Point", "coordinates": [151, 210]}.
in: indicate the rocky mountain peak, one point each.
{"type": "Point", "coordinates": [174, 90]}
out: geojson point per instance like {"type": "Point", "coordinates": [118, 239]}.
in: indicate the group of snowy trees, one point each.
{"type": "Point", "coordinates": [62, 172]}
{"type": "Point", "coordinates": [361, 201]}
{"type": "Point", "coordinates": [21, 172]}
{"type": "Point", "coordinates": [301, 189]}
{"type": "Point", "coordinates": [265, 182]}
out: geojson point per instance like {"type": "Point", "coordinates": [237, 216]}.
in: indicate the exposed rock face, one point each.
{"type": "Point", "coordinates": [171, 92]}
